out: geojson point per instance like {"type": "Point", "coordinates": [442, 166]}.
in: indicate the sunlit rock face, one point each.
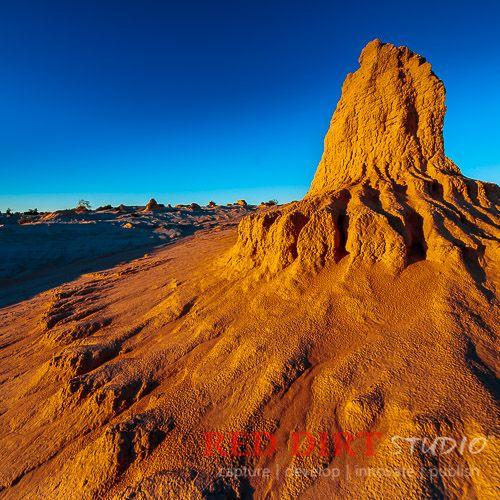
{"type": "Point", "coordinates": [388, 123]}
{"type": "Point", "coordinates": [384, 191]}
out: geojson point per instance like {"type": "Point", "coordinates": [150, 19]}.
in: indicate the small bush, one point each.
{"type": "Point", "coordinates": [83, 204]}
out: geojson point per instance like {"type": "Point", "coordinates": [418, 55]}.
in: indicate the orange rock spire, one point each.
{"type": "Point", "coordinates": [388, 123]}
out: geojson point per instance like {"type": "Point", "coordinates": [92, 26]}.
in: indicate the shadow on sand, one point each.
{"type": "Point", "coordinates": [14, 290]}
{"type": "Point", "coordinates": [40, 257]}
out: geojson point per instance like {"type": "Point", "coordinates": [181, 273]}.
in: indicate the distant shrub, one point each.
{"type": "Point", "coordinates": [270, 203]}
{"type": "Point", "coordinates": [104, 207]}
{"type": "Point", "coordinates": [83, 205]}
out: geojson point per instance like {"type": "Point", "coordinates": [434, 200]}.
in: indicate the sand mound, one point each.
{"type": "Point", "coordinates": [335, 347]}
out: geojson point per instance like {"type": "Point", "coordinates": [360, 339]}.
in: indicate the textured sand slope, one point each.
{"type": "Point", "coordinates": [368, 307]}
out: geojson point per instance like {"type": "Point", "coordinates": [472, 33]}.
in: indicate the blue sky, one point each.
{"type": "Point", "coordinates": [118, 101]}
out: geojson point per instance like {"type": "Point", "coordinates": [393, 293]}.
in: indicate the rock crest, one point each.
{"type": "Point", "coordinates": [388, 123]}
{"type": "Point", "coordinates": [153, 206]}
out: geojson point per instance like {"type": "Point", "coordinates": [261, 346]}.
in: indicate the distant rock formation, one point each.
{"type": "Point", "coordinates": [104, 208]}
{"type": "Point", "coordinates": [242, 203]}
{"type": "Point", "coordinates": [122, 209]}
{"type": "Point", "coordinates": [153, 206]}
{"type": "Point", "coordinates": [384, 191]}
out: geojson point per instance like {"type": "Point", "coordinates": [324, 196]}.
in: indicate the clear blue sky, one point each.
{"type": "Point", "coordinates": [117, 101]}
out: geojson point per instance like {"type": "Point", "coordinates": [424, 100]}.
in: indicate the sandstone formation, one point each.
{"type": "Point", "coordinates": [122, 208]}
{"type": "Point", "coordinates": [367, 310]}
{"type": "Point", "coordinates": [384, 191]}
{"type": "Point", "coordinates": [153, 206]}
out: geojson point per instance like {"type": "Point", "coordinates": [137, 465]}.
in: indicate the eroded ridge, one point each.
{"type": "Point", "coordinates": [384, 190]}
